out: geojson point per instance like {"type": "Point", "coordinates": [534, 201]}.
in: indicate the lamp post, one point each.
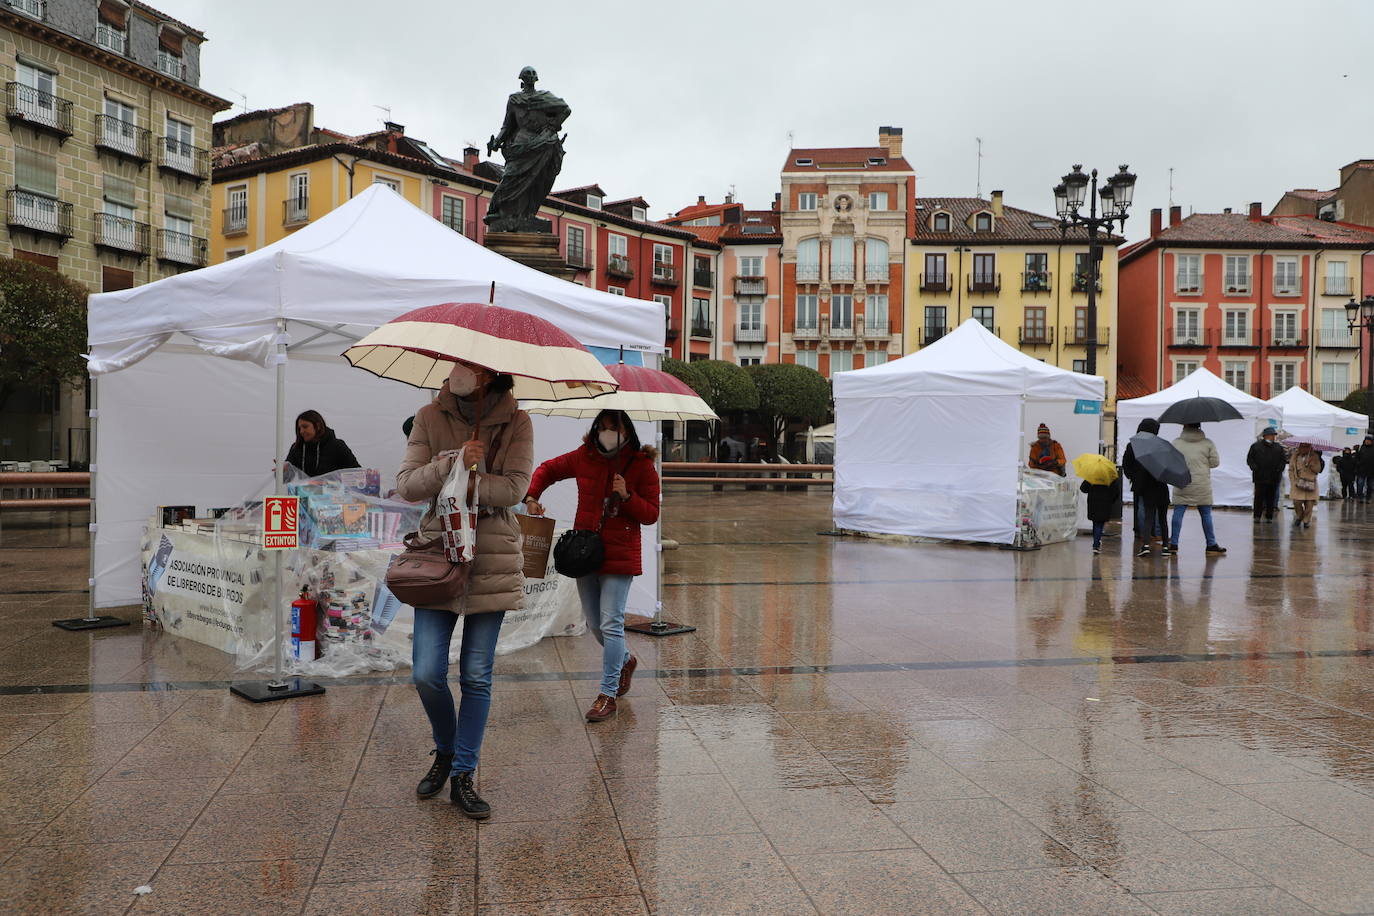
{"type": "Point", "coordinates": [1361, 315]}
{"type": "Point", "coordinates": [1116, 197]}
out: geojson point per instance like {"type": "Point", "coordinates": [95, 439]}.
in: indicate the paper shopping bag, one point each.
{"type": "Point", "coordinates": [536, 538]}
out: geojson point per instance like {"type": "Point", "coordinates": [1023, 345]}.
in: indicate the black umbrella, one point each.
{"type": "Point", "coordinates": [1158, 456]}
{"type": "Point", "coordinates": [1199, 410]}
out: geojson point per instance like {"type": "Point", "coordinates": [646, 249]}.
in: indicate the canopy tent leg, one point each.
{"type": "Point", "coordinates": [280, 687]}
{"type": "Point", "coordinates": [658, 626]}
{"type": "Point", "coordinates": [91, 621]}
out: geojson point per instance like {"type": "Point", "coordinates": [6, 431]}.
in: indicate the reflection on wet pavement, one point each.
{"type": "Point", "coordinates": [855, 727]}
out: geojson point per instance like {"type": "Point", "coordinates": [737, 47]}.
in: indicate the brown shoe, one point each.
{"type": "Point", "coordinates": [627, 672]}
{"type": "Point", "coordinates": [602, 709]}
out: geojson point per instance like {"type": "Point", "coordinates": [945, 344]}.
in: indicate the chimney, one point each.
{"type": "Point", "coordinates": [1255, 207]}
{"type": "Point", "coordinates": [890, 139]}
{"type": "Point", "coordinates": [701, 200]}
{"type": "Point", "coordinates": [777, 201]}
{"type": "Point", "coordinates": [729, 198]}
{"type": "Point", "coordinates": [470, 154]}
{"type": "Point", "coordinates": [1156, 222]}
{"type": "Point", "coordinates": [1175, 214]}
{"type": "Point", "coordinates": [394, 128]}
{"type": "Point", "coordinates": [1226, 210]}
{"type": "Point", "coordinates": [997, 204]}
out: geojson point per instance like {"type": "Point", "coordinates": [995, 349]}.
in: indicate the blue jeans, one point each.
{"type": "Point", "coordinates": [1097, 534]}
{"type": "Point", "coordinates": [1177, 524]}
{"type": "Point", "coordinates": [459, 734]}
{"type": "Point", "coordinates": [603, 605]}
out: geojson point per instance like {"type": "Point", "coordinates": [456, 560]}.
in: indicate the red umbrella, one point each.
{"type": "Point", "coordinates": [643, 393]}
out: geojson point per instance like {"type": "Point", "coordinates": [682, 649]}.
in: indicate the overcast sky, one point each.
{"type": "Point", "coordinates": [674, 99]}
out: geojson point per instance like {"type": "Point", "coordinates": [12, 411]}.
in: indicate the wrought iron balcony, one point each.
{"type": "Point", "coordinates": [665, 274]}
{"type": "Point", "coordinates": [36, 9]}
{"type": "Point", "coordinates": [984, 282]}
{"type": "Point", "coordinates": [935, 283]}
{"type": "Point", "coordinates": [1334, 391]}
{"type": "Point", "coordinates": [120, 234]}
{"type": "Point", "coordinates": [1185, 337]}
{"type": "Point", "coordinates": [875, 273]}
{"type": "Point", "coordinates": [1035, 336]}
{"type": "Point", "coordinates": [751, 286]}
{"type": "Point", "coordinates": [1336, 286]}
{"type": "Point", "coordinates": [38, 109]}
{"type": "Point", "coordinates": [841, 273]}
{"type": "Point", "coordinates": [1282, 341]}
{"type": "Point", "coordinates": [1080, 283]}
{"type": "Point", "coordinates": [753, 333]}
{"type": "Point", "coordinates": [1188, 286]}
{"type": "Point", "coordinates": [1245, 338]}
{"type": "Point", "coordinates": [38, 213]}
{"type": "Point", "coordinates": [111, 38]}
{"type": "Point", "coordinates": [930, 334]}
{"type": "Point", "coordinates": [577, 258]}
{"type": "Point", "coordinates": [123, 138]}
{"type": "Point", "coordinates": [183, 158]}
{"type": "Point", "coordinates": [704, 279]}
{"type": "Point", "coordinates": [701, 329]}
{"type": "Point", "coordinates": [235, 220]}
{"type": "Point", "coordinates": [842, 329]}
{"type": "Point", "coordinates": [808, 273]}
{"type": "Point", "coordinates": [874, 329]}
{"type": "Point", "coordinates": [618, 265]}
{"type": "Point", "coordinates": [295, 211]}
{"type": "Point", "coordinates": [1078, 336]}
{"type": "Point", "coordinates": [1037, 281]}
{"type": "Point", "coordinates": [1341, 339]}
{"type": "Point", "coordinates": [171, 64]}
{"type": "Point", "coordinates": [1284, 288]}
{"type": "Point", "coordinates": [808, 328]}
{"type": "Point", "coordinates": [1236, 286]}
{"type": "Point", "coordinates": [180, 248]}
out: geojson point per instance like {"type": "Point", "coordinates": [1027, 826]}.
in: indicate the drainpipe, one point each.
{"type": "Point", "coordinates": [1259, 329]}
{"type": "Point", "coordinates": [1312, 319]}
{"type": "Point", "coordinates": [1159, 311]}
{"type": "Point", "coordinates": [348, 167]}
{"type": "Point", "coordinates": [1059, 301]}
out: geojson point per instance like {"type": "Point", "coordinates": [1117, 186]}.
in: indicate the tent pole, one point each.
{"type": "Point", "coordinates": [658, 626]}
{"type": "Point", "coordinates": [280, 687]}
{"type": "Point", "coordinates": [91, 621]}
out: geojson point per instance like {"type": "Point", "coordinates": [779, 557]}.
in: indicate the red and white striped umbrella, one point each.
{"type": "Point", "coordinates": [644, 394]}
{"type": "Point", "coordinates": [421, 346]}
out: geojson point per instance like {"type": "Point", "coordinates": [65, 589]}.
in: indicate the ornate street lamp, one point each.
{"type": "Point", "coordinates": [1069, 196]}
{"type": "Point", "coordinates": [1361, 315]}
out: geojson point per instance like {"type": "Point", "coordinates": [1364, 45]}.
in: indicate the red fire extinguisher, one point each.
{"type": "Point", "coordinates": [303, 623]}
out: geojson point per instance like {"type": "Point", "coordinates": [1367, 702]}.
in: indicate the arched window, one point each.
{"type": "Point", "coordinates": [875, 261]}
{"type": "Point", "coordinates": [982, 222]}
{"type": "Point", "coordinates": [809, 261]}
{"type": "Point", "coordinates": [842, 259]}
{"type": "Point", "coordinates": [939, 222]}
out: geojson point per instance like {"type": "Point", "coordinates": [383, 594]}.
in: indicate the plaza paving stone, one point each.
{"type": "Point", "coordinates": [856, 726]}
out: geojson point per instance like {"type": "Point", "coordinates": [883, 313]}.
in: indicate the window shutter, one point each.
{"type": "Point", "coordinates": [114, 13]}
{"type": "Point", "coordinates": [35, 171]}
{"type": "Point", "coordinates": [170, 40]}
{"type": "Point", "coordinates": [178, 206]}
{"type": "Point", "coordinates": [119, 191]}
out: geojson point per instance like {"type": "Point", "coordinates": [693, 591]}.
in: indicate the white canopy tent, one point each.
{"type": "Point", "coordinates": [1305, 414]}
{"type": "Point", "coordinates": [177, 427]}
{"type": "Point", "coordinates": [932, 444]}
{"type": "Point", "coordinates": [1231, 481]}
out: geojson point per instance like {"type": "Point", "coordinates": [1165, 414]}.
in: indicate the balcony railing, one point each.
{"type": "Point", "coordinates": [1080, 284]}
{"type": "Point", "coordinates": [984, 283]}
{"type": "Point", "coordinates": [1078, 336]}
{"type": "Point", "coordinates": [111, 38]}
{"type": "Point", "coordinates": [38, 213]}
{"type": "Point", "coordinates": [841, 273]}
{"type": "Point", "coordinates": [1287, 340]}
{"type": "Point", "coordinates": [930, 334]}
{"type": "Point", "coordinates": [171, 64]}
{"type": "Point", "coordinates": [1334, 391]}
{"type": "Point", "coordinates": [751, 286]}
{"type": "Point", "coordinates": [1284, 288]}
{"type": "Point", "coordinates": [842, 328]}
{"type": "Point", "coordinates": [120, 234]}
{"type": "Point", "coordinates": [704, 279]}
{"type": "Point", "coordinates": [808, 328]}
{"type": "Point", "coordinates": [1037, 281]}
{"type": "Point", "coordinates": [180, 248]}
{"type": "Point", "coordinates": [1246, 338]}
{"type": "Point", "coordinates": [1035, 336]}
{"type": "Point", "coordinates": [671, 331]}
{"type": "Point", "coordinates": [235, 220]}
{"type": "Point", "coordinates": [38, 109]}
{"type": "Point", "coordinates": [618, 265]}
{"type": "Point", "coordinates": [753, 333]}
{"type": "Point", "coordinates": [177, 156]}
{"type": "Point", "coordinates": [701, 329]}
{"type": "Point", "coordinates": [295, 210]}
{"type": "Point", "coordinates": [38, 9]}
{"type": "Point", "coordinates": [123, 138]}
{"type": "Point", "coordinates": [1184, 337]}
{"type": "Point", "coordinates": [1336, 286]}
{"type": "Point", "coordinates": [878, 329]}
{"type": "Point", "coordinates": [1340, 339]}
{"type": "Point", "coordinates": [665, 274]}
{"type": "Point", "coordinates": [577, 258]}
{"type": "Point", "coordinates": [1236, 286]}
{"type": "Point", "coordinates": [935, 283]}
{"type": "Point", "coordinates": [808, 273]}
{"type": "Point", "coordinates": [1188, 286]}
{"type": "Point", "coordinates": [875, 273]}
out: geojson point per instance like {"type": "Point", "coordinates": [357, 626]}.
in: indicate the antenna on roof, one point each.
{"type": "Point", "coordinates": [979, 192]}
{"type": "Point", "coordinates": [790, 142]}
{"type": "Point", "coordinates": [385, 108]}
{"type": "Point", "coordinates": [1171, 186]}
{"type": "Point", "coordinates": [241, 96]}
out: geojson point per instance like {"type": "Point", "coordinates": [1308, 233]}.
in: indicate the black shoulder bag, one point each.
{"type": "Point", "coordinates": [580, 552]}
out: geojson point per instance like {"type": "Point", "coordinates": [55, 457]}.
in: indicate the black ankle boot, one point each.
{"type": "Point", "coordinates": [463, 795]}
{"type": "Point", "coordinates": [434, 780]}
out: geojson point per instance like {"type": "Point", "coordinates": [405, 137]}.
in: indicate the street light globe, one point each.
{"type": "Point", "coordinates": [1109, 203]}
{"type": "Point", "coordinates": [1123, 188]}
{"type": "Point", "coordinates": [1367, 309]}
{"type": "Point", "coordinates": [1076, 186]}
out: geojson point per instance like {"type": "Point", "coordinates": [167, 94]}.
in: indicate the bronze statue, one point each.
{"type": "Point", "coordinates": [534, 155]}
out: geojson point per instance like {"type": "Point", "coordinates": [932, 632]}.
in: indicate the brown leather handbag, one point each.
{"type": "Point", "coordinates": [421, 576]}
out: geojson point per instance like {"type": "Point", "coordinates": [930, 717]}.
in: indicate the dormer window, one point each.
{"type": "Point", "coordinates": [33, 8]}
{"type": "Point", "coordinates": [638, 214]}
{"type": "Point", "coordinates": [593, 201]}
{"type": "Point", "coordinates": [804, 161]}
{"type": "Point", "coordinates": [877, 160]}
{"type": "Point", "coordinates": [169, 53]}
{"type": "Point", "coordinates": [982, 222]}
{"type": "Point", "coordinates": [939, 222]}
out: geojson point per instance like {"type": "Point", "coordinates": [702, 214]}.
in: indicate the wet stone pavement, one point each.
{"type": "Point", "coordinates": [855, 727]}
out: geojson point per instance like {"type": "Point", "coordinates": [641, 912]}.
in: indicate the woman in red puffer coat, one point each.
{"type": "Point", "coordinates": [617, 492]}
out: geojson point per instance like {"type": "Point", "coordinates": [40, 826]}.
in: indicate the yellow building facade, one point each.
{"type": "Point", "coordinates": [1015, 273]}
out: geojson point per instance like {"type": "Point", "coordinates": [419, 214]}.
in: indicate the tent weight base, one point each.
{"type": "Point", "coordinates": [103, 622]}
{"type": "Point", "coordinates": [264, 692]}
{"type": "Point", "coordinates": [660, 628]}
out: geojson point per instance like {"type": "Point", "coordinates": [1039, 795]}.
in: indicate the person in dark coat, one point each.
{"type": "Point", "coordinates": [617, 493]}
{"type": "Point", "coordinates": [1102, 499]}
{"type": "Point", "coordinates": [1266, 460]}
{"type": "Point", "coordinates": [1364, 470]}
{"type": "Point", "coordinates": [1151, 495]}
{"type": "Point", "coordinates": [1345, 466]}
{"type": "Point", "coordinates": [317, 450]}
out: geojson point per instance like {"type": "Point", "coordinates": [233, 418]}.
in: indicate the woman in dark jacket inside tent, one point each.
{"type": "Point", "coordinates": [317, 450]}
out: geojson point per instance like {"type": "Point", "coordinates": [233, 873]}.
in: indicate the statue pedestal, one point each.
{"type": "Point", "coordinates": [533, 249]}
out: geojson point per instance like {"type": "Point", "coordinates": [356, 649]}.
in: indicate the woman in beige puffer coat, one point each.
{"type": "Point", "coordinates": [1303, 469]}
{"type": "Point", "coordinates": [503, 450]}
{"type": "Point", "coordinates": [1201, 455]}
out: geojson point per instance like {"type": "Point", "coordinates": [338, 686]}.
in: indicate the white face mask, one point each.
{"type": "Point", "coordinates": [609, 439]}
{"type": "Point", "coordinates": [462, 381]}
